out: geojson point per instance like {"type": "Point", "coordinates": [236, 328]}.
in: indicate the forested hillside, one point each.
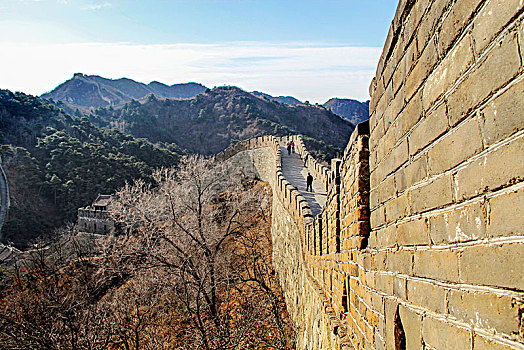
{"type": "Point", "coordinates": [56, 163]}
{"type": "Point", "coordinates": [218, 118]}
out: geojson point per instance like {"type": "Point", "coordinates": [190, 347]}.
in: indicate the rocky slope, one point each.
{"type": "Point", "coordinates": [290, 100]}
{"type": "Point", "coordinates": [352, 110]}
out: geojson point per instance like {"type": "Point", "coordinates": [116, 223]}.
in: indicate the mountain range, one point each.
{"type": "Point", "coordinates": [92, 91]}
{"type": "Point", "coordinates": [84, 93]}
{"type": "Point", "coordinates": [219, 117]}
{"type": "Point", "coordinates": [90, 135]}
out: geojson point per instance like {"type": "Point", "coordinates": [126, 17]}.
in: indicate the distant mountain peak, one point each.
{"type": "Point", "coordinates": [353, 110]}
{"type": "Point", "coordinates": [93, 91]}
{"type": "Point", "coordinates": [290, 100]}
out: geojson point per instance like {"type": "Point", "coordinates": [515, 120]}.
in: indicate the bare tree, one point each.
{"type": "Point", "coordinates": [198, 226]}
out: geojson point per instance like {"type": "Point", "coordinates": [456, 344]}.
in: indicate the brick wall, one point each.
{"type": "Point", "coordinates": [445, 259]}
{"type": "Point", "coordinates": [421, 242]}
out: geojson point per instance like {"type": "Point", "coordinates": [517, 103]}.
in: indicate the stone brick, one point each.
{"type": "Point", "coordinates": [521, 39]}
{"type": "Point", "coordinates": [390, 138]}
{"type": "Point", "coordinates": [384, 283]}
{"type": "Point", "coordinates": [400, 261]}
{"type": "Point", "coordinates": [429, 128]}
{"type": "Point", "coordinates": [412, 324]}
{"type": "Point", "coordinates": [378, 101]}
{"type": "Point", "coordinates": [495, 169]}
{"type": "Point", "coordinates": [503, 116]}
{"type": "Point", "coordinates": [411, 174]}
{"type": "Point", "coordinates": [440, 334]}
{"type": "Point", "coordinates": [385, 237]}
{"type": "Point", "coordinates": [397, 208]}
{"type": "Point", "coordinates": [399, 76]}
{"type": "Point", "coordinates": [410, 115]}
{"type": "Point", "coordinates": [378, 217]}
{"type": "Point", "coordinates": [424, 65]}
{"type": "Point", "coordinates": [485, 310]}
{"type": "Point", "coordinates": [448, 71]}
{"type": "Point", "coordinates": [410, 24]}
{"type": "Point", "coordinates": [505, 216]}
{"type": "Point", "coordinates": [456, 21]}
{"type": "Point", "coordinates": [461, 224]}
{"type": "Point", "coordinates": [494, 71]}
{"type": "Point", "coordinates": [379, 261]}
{"type": "Point", "coordinates": [427, 295]}
{"type": "Point", "coordinates": [434, 194]}
{"type": "Point", "coordinates": [480, 343]}
{"type": "Point", "coordinates": [411, 56]}
{"type": "Point", "coordinates": [378, 132]}
{"type": "Point", "coordinates": [493, 265]}
{"type": "Point", "coordinates": [437, 264]}
{"type": "Point", "coordinates": [429, 24]}
{"type": "Point", "coordinates": [492, 20]}
{"type": "Point", "coordinates": [414, 232]}
{"type": "Point", "coordinates": [383, 192]}
{"type": "Point", "coordinates": [464, 140]}
{"type": "Point", "coordinates": [399, 287]}
{"type": "Point", "coordinates": [390, 310]}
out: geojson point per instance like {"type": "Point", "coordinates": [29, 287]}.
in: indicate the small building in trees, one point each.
{"type": "Point", "coordinates": [95, 218]}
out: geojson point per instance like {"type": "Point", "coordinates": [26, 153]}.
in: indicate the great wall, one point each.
{"type": "Point", "coordinates": [420, 242]}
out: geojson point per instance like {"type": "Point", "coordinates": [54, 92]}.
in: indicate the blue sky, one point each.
{"type": "Point", "coordinates": [309, 49]}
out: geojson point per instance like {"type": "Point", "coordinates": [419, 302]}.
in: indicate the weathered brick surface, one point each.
{"type": "Point", "coordinates": [465, 141]}
{"type": "Point", "coordinates": [503, 115]}
{"type": "Point", "coordinates": [440, 334]}
{"type": "Point", "coordinates": [455, 21]}
{"type": "Point", "coordinates": [428, 295]}
{"type": "Point", "coordinates": [481, 343]}
{"type": "Point", "coordinates": [460, 224]}
{"type": "Point", "coordinates": [448, 71]}
{"type": "Point", "coordinates": [491, 73]}
{"type": "Point", "coordinates": [493, 265]}
{"type": "Point", "coordinates": [505, 214]}
{"type": "Point", "coordinates": [492, 18]}
{"type": "Point", "coordinates": [412, 324]}
{"type": "Point", "coordinates": [440, 265]}
{"type": "Point", "coordinates": [429, 129]}
{"type": "Point", "coordinates": [413, 232]}
{"type": "Point", "coordinates": [412, 173]}
{"type": "Point", "coordinates": [501, 167]}
{"type": "Point", "coordinates": [485, 310]}
{"type": "Point", "coordinates": [433, 194]}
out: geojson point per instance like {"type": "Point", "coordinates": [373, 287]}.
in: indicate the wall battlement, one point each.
{"type": "Point", "coordinates": [420, 244]}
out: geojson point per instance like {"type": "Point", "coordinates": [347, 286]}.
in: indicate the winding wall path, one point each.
{"type": "Point", "coordinates": [295, 172]}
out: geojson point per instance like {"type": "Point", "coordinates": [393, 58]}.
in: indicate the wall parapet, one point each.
{"type": "Point", "coordinates": [292, 199]}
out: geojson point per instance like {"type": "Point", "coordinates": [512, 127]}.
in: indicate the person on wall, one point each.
{"type": "Point", "coordinates": [309, 182]}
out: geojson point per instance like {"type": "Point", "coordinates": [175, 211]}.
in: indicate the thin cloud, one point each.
{"type": "Point", "coordinates": [304, 70]}
{"type": "Point", "coordinates": [94, 7]}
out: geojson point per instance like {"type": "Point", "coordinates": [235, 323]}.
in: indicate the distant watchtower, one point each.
{"type": "Point", "coordinates": [95, 218]}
